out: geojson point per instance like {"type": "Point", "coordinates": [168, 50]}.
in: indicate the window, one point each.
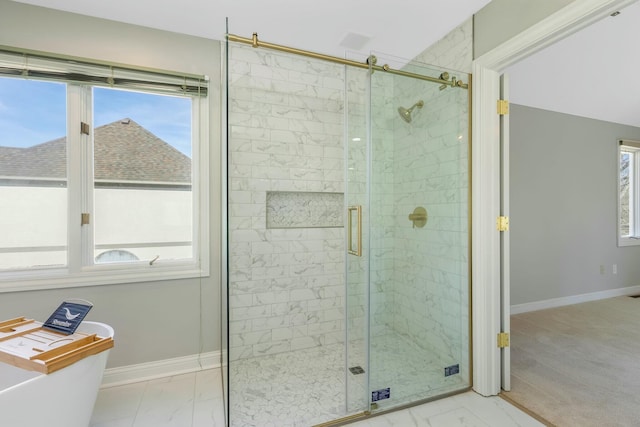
{"type": "Point", "coordinates": [33, 175]}
{"type": "Point", "coordinates": [628, 193]}
{"type": "Point", "coordinates": [102, 172]}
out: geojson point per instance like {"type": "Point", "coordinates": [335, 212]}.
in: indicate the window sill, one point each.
{"type": "Point", "coordinates": [628, 241]}
{"type": "Point", "coordinates": [61, 278]}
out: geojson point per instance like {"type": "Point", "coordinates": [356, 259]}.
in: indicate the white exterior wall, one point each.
{"type": "Point", "coordinates": [36, 217]}
{"type": "Point", "coordinates": [144, 216]}
{"type": "Point", "coordinates": [31, 217]}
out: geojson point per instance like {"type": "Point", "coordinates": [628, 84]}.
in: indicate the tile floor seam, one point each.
{"type": "Point", "coordinates": [139, 405]}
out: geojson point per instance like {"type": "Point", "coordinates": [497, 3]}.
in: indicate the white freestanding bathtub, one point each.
{"type": "Point", "coordinates": [64, 398]}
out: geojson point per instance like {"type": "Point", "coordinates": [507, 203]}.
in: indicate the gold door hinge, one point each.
{"type": "Point", "coordinates": [503, 107]}
{"type": "Point", "coordinates": [503, 339]}
{"type": "Point", "coordinates": [84, 128]}
{"type": "Point", "coordinates": [502, 223]}
{"type": "Point", "coordinates": [84, 219]}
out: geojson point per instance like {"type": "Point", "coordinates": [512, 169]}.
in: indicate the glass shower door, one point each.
{"type": "Point", "coordinates": [418, 238]}
{"type": "Point", "coordinates": [356, 237]}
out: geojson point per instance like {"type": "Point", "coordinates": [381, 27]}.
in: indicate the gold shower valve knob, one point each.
{"type": "Point", "coordinates": [418, 217]}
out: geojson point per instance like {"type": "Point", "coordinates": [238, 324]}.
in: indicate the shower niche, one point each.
{"type": "Point", "coordinates": [303, 209]}
{"type": "Point", "coordinates": [324, 158]}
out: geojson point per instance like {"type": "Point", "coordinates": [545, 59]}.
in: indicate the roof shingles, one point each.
{"type": "Point", "coordinates": [123, 151]}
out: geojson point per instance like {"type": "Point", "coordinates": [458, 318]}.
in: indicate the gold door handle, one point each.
{"type": "Point", "coordinates": [357, 251]}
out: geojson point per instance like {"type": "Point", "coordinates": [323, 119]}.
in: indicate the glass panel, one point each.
{"type": "Point", "coordinates": [626, 160]}
{"type": "Point", "coordinates": [33, 174]}
{"type": "Point", "coordinates": [225, 270]}
{"type": "Point", "coordinates": [286, 285]}
{"type": "Point", "coordinates": [142, 176]}
{"type": "Point", "coordinates": [419, 241]}
{"type": "Point", "coordinates": [357, 267]}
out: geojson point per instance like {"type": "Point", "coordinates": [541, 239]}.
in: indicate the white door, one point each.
{"type": "Point", "coordinates": [505, 295]}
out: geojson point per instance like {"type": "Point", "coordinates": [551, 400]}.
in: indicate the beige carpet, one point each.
{"type": "Point", "coordinates": [579, 365]}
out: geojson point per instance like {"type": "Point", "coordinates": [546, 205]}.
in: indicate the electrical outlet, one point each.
{"type": "Point", "coordinates": [614, 269]}
{"type": "Point", "coordinates": [601, 269]}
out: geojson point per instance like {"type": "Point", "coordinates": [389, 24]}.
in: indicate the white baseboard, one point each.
{"type": "Point", "coordinates": [159, 369]}
{"type": "Point", "coordinates": [574, 299]}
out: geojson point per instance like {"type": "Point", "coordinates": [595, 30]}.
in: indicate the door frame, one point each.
{"type": "Point", "coordinates": [485, 174]}
{"type": "Point", "coordinates": [505, 245]}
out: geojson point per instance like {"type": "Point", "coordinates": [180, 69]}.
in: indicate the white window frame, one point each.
{"type": "Point", "coordinates": [80, 269]}
{"type": "Point", "coordinates": [633, 239]}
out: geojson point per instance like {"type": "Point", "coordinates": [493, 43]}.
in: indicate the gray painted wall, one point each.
{"type": "Point", "coordinates": [137, 311]}
{"type": "Point", "coordinates": [564, 206]}
{"type": "Point", "coordinates": [500, 20]}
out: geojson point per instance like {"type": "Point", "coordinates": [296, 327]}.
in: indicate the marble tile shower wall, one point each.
{"type": "Point", "coordinates": [286, 134]}
{"type": "Point", "coordinates": [454, 51]}
{"type": "Point", "coordinates": [384, 119]}
{"type": "Point", "coordinates": [418, 276]}
{"type": "Point", "coordinates": [431, 268]}
{"type": "Point", "coordinates": [431, 280]}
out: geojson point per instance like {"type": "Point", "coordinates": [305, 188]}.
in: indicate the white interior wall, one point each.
{"type": "Point", "coordinates": [500, 20]}
{"type": "Point", "coordinates": [563, 180]}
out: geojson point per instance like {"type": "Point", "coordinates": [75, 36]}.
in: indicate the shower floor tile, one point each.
{"type": "Point", "coordinates": [289, 389]}
{"type": "Point", "coordinates": [307, 387]}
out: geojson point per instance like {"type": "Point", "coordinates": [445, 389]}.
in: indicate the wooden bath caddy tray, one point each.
{"type": "Point", "coordinates": [26, 344]}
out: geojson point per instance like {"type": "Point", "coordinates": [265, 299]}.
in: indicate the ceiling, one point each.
{"type": "Point", "coordinates": [401, 28]}
{"type": "Point", "coordinates": [590, 73]}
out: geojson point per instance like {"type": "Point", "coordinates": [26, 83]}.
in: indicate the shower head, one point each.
{"type": "Point", "coordinates": [405, 113]}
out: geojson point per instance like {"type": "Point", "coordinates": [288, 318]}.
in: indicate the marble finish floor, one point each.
{"type": "Point", "coordinates": [307, 387]}
{"type": "Point", "coordinates": [195, 400]}
{"type": "Point", "coordinates": [189, 400]}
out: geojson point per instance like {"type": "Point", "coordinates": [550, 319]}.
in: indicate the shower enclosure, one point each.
{"type": "Point", "coordinates": [348, 237]}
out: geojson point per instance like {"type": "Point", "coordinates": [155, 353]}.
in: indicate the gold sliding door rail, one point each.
{"type": "Point", "coordinates": [257, 43]}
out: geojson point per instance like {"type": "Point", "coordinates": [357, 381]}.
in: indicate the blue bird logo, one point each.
{"type": "Point", "coordinates": [70, 316]}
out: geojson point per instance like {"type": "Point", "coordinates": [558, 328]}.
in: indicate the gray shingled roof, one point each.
{"type": "Point", "coordinates": [46, 160]}
{"type": "Point", "coordinates": [123, 151]}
